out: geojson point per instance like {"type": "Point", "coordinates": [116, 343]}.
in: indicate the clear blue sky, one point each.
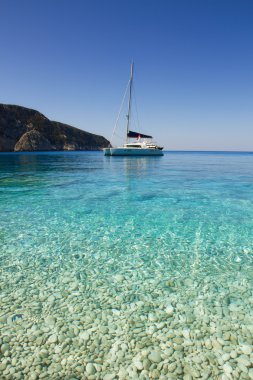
{"type": "Point", "coordinates": [193, 66]}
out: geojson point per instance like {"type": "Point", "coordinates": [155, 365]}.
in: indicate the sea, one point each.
{"type": "Point", "coordinates": [126, 267]}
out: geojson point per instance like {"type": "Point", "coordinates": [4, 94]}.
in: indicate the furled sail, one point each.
{"type": "Point", "coordinates": [138, 135]}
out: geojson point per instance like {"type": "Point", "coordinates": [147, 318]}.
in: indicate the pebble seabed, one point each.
{"type": "Point", "coordinates": [118, 322]}
{"type": "Point", "coordinates": [126, 269]}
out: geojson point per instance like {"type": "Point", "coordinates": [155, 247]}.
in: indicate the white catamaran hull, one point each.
{"type": "Point", "coordinates": [133, 152]}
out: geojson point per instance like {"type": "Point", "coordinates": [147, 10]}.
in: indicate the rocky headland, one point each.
{"type": "Point", "coordinates": [25, 129]}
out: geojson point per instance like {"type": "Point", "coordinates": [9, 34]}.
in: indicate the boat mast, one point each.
{"type": "Point", "coordinates": [130, 98]}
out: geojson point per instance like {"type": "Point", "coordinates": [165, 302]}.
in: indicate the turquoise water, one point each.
{"type": "Point", "coordinates": [124, 258]}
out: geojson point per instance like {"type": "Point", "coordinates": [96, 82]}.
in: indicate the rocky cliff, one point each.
{"type": "Point", "coordinates": [24, 129]}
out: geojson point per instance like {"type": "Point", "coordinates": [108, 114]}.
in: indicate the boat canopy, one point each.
{"type": "Point", "coordinates": [138, 135]}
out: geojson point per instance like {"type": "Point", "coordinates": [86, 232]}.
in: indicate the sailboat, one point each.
{"type": "Point", "coordinates": [137, 144]}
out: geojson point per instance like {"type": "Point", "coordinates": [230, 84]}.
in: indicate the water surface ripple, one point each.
{"type": "Point", "coordinates": [126, 267]}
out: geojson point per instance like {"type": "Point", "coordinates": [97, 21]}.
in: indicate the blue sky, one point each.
{"type": "Point", "coordinates": [193, 66]}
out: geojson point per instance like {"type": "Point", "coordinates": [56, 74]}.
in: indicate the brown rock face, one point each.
{"type": "Point", "coordinates": [24, 129]}
{"type": "Point", "coordinates": [32, 141]}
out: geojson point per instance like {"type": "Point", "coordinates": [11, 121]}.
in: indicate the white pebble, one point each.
{"type": "Point", "coordinates": [155, 357]}
{"type": "Point", "coordinates": [109, 376]}
{"type": "Point", "coordinates": [246, 349]}
{"type": "Point", "coordinates": [169, 309]}
{"type": "Point", "coordinates": [90, 369]}
{"type": "Point", "coordinates": [50, 321]}
{"type": "Point", "coordinates": [138, 364]}
{"type": "Point", "coordinates": [52, 339]}
{"type": "Point", "coordinates": [227, 368]}
{"type": "Point", "coordinates": [84, 335]}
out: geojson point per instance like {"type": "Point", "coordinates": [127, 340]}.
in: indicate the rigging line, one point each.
{"type": "Point", "coordinates": [120, 109]}
{"type": "Point", "coordinates": [119, 136]}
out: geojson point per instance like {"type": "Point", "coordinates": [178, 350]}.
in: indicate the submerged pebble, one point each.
{"type": "Point", "coordinates": [127, 278]}
{"type": "Point", "coordinates": [155, 357]}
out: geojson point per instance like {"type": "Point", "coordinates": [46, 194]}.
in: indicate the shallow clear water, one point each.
{"type": "Point", "coordinates": [132, 251]}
